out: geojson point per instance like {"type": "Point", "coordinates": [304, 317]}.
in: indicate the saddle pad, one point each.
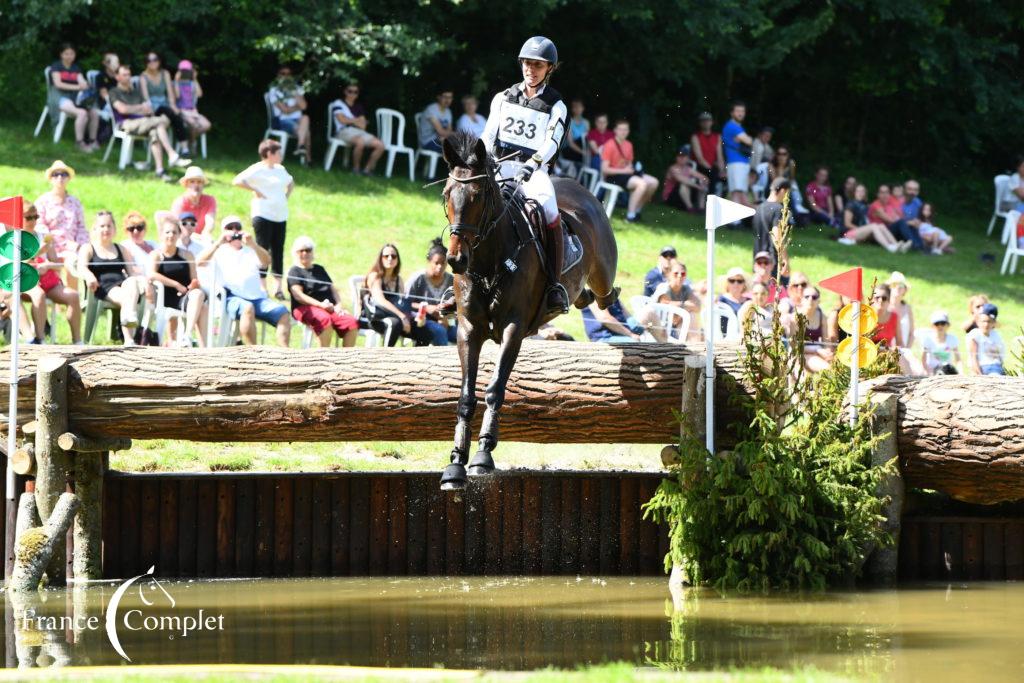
{"type": "Point", "coordinates": [573, 249]}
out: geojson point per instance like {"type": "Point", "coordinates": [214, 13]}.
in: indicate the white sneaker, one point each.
{"type": "Point", "coordinates": [129, 318]}
{"type": "Point", "coordinates": [893, 248]}
{"type": "Point", "coordinates": [180, 161]}
{"type": "Point", "coordinates": [905, 246]}
{"type": "Point", "coordinates": [936, 252]}
{"type": "Point", "coordinates": [847, 241]}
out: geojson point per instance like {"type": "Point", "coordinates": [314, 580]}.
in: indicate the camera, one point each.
{"type": "Point", "coordinates": [235, 237]}
{"type": "Point", "coordinates": [638, 168]}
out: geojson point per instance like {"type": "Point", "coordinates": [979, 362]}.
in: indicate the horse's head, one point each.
{"type": "Point", "coordinates": [469, 197]}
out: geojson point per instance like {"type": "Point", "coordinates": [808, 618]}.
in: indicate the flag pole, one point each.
{"type": "Point", "coordinates": [855, 364]}
{"type": "Point", "coordinates": [12, 411]}
{"type": "Point", "coordinates": [709, 333]}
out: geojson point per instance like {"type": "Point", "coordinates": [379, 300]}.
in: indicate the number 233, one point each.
{"type": "Point", "coordinates": [520, 127]}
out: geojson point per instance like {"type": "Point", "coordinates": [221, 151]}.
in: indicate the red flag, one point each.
{"type": "Point", "coordinates": [847, 284]}
{"type": "Point", "coordinates": [11, 212]}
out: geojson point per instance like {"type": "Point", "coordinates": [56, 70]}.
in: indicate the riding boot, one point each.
{"type": "Point", "coordinates": [556, 299]}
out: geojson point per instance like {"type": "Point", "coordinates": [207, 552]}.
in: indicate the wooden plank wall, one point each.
{"type": "Point", "coordinates": [947, 548]}
{"type": "Point", "coordinates": [395, 523]}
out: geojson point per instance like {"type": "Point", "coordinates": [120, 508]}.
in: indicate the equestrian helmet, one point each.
{"type": "Point", "coordinates": [540, 48]}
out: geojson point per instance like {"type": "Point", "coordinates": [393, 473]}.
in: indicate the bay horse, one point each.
{"type": "Point", "coordinates": [500, 280]}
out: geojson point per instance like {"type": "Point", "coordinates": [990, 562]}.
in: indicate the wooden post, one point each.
{"type": "Point", "coordinates": [883, 564]}
{"type": "Point", "coordinates": [52, 463]}
{"type": "Point", "coordinates": [88, 532]}
{"type": "Point", "coordinates": [36, 547]}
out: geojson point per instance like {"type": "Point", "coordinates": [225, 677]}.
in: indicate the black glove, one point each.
{"type": "Point", "coordinates": [524, 174]}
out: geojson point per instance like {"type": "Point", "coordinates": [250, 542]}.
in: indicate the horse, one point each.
{"type": "Point", "coordinates": [500, 280]}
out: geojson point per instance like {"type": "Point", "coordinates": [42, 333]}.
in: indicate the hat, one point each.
{"type": "Point", "coordinates": [897, 278]}
{"type": "Point", "coordinates": [683, 149]}
{"type": "Point", "coordinates": [764, 254]}
{"type": "Point", "coordinates": [705, 116]}
{"type": "Point", "coordinates": [737, 272]}
{"type": "Point", "coordinates": [302, 242]}
{"type": "Point", "coordinates": [990, 310]}
{"type": "Point", "coordinates": [939, 317]}
{"type": "Point", "coordinates": [184, 215]}
{"type": "Point", "coordinates": [667, 250]}
{"type": "Point", "coordinates": [194, 173]}
{"type": "Point", "coordinates": [59, 165]}
{"type": "Point", "coordinates": [228, 220]}
{"type": "Point", "coordinates": [184, 64]}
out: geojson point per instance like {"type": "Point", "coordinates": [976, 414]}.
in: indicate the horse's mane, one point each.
{"type": "Point", "coordinates": [464, 144]}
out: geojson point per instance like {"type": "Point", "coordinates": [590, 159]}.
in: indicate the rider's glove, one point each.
{"type": "Point", "coordinates": [525, 173]}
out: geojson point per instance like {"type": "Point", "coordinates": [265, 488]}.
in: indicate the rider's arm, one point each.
{"type": "Point", "coordinates": [490, 136]}
{"type": "Point", "coordinates": [555, 132]}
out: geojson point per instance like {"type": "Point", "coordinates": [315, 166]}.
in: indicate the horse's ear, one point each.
{"type": "Point", "coordinates": [480, 151]}
{"type": "Point", "coordinates": [451, 157]}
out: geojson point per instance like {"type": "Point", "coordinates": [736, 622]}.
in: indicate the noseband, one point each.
{"type": "Point", "coordinates": [469, 230]}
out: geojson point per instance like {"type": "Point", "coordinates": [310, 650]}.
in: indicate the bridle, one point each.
{"type": "Point", "coordinates": [471, 233]}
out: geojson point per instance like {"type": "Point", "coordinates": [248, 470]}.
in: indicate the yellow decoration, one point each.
{"type": "Point", "coordinates": [868, 319]}
{"type": "Point", "coordinates": [868, 351]}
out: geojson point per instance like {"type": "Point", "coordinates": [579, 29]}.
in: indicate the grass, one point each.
{"type": "Point", "coordinates": [351, 217]}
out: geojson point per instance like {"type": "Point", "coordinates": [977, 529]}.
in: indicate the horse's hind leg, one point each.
{"type": "Point", "coordinates": [482, 462]}
{"type": "Point", "coordinates": [585, 298]}
{"type": "Point", "coordinates": [601, 280]}
{"type": "Point", "coordinates": [454, 476]}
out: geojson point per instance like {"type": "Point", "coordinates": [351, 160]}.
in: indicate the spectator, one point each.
{"type": "Point", "coordinates": [50, 286]}
{"type": "Point", "coordinates": [934, 237]}
{"type": "Point", "coordinates": [135, 116]}
{"type": "Point", "coordinates": [619, 168]}
{"type": "Point", "coordinates": [782, 165]}
{"type": "Point", "coordinates": [974, 306]}
{"type": "Point", "coordinates": [858, 229]}
{"type": "Point", "coordinates": [175, 268]}
{"type": "Point", "coordinates": [470, 121]}
{"type": "Point", "coordinates": [427, 289]}
{"type": "Point", "coordinates": [187, 92]}
{"type": "Point", "coordinates": [658, 274]}
{"type": "Point", "coordinates": [886, 209]}
{"type": "Point", "coordinates": [158, 89]}
{"type": "Point", "coordinates": [774, 276]}
{"type": "Point", "coordinates": [887, 331]}
{"type": "Point", "coordinates": [940, 352]}
{"type": "Point", "coordinates": [575, 148]}
{"type": "Point", "coordinates": [240, 265]}
{"type": "Point", "coordinates": [767, 215]}
{"type": "Point", "coordinates": [71, 94]}
{"type": "Point", "coordinates": [819, 199]}
{"type": "Point", "coordinates": [707, 151]}
{"type": "Point", "coordinates": [683, 183]}
{"type": "Point", "coordinates": [110, 274]}
{"type": "Point", "coordinates": [911, 202]}
{"type": "Point", "coordinates": [436, 122]}
{"type": "Point", "coordinates": [350, 127]}
{"type": "Point", "coordinates": [735, 294]}
{"type": "Point", "coordinates": [596, 139]}
{"type": "Point", "coordinates": [316, 301]}
{"type": "Point", "coordinates": [835, 333]}
{"type": "Point", "coordinates": [106, 79]}
{"type": "Point", "coordinates": [985, 348]}
{"type": "Point", "coordinates": [761, 150]}
{"type": "Point", "coordinates": [135, 244]}
{"type": "Point", "coordinates": [288, 106]}
{"type": "Point", "coordinates": [271, 186]}
{"type": "Point", "coordinates": [737, 147]}
{"type": "Point", "coordinates": [613, 325]}
{"type": "Point", "coordinates": [387, 308]}
{"type": "Point", "coordinates": [841, 200]}
{"type": "Point", "coordinates": [817, 357]}
{"type": "Point", "coordinates": [898, 288]}
{"type": "Point", "coordinates": [673, 292]}
{"type": "Point", "coordinates": [1015, 190]}
{"type": "Point", "coordinates": [758, 310]}
{"type": "Point", "coordinates": [194, 200]}
{"type": "Point", "coordinates": [791, 299]}
{"type": "Point", "coordinates": [62, 218]}
{"type": "Point", "coordinates": [195, 244]}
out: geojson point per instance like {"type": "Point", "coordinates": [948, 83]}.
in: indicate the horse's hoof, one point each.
{"type": "Point", "coordinates": [585, 298]}
{"type": "Point", "coordinates": [453, 478]}
{"type": "Point", "coordinates": [481, 465]}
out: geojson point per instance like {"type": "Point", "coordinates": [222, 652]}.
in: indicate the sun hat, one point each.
{"type": "Point", "coordinates": [737, 272]}
{"type": "Point", "coordinates": [194, 173]}
{"type": "Point", "coordinates": [59, 165]}
{"type": "Point", "coordinates": [939, 317]}
{"type": "Point", "coordinates": [302, 242]}
{"type": "Point", "coordinates": [898, 278]}
{"type": "Point", "coordinates": [184, 64]}
{"type": "Point", "coordinates": [228, 220]}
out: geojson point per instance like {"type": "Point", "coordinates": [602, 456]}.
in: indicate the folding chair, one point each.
{"type": "Point", "coordinates": [431, 156]}
{"type": "Point", "coordinates": [334, 143]}
{"type": "Point", "coordinates": [391, 129]}
{"type": "Point", "coordinates": [609, 196]}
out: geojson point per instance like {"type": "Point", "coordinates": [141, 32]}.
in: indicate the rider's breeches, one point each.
{"type": "Point", "coordinates": [539, 189]}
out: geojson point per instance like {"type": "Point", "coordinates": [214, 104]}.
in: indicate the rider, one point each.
{"type": "Point", "coordinates": [529, 119]}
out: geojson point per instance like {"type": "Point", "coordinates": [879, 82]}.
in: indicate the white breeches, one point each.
{"type": "Point", "coordinates": [538, 188]}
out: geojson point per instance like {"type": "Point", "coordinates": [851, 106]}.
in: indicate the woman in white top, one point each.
{"type": "Point", "coordinates": [899, 287]}
{"type": "Point", "coordinates": [271, 186]}
{"type": "Point", "coordinates": [757, 311]}
{"type": "Point", "coordinates": [940, 349]}
{"type": "Point", "coordinates": [471, 121]}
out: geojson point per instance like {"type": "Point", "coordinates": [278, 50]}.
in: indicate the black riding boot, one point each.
{"type": "Point", "coordinates": [556, 299]}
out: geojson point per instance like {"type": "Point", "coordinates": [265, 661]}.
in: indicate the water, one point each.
{"type": "Point", "coordinates": [934, 633]}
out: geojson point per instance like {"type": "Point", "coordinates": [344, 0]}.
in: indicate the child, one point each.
{"type": "Point", "coordinates": [940, 353]}
{"type": "Point", "coordinates": [187, 94]}
{"type": "Point", "coordinates": [985, 348]}
{"type": "Point", "coordinates": [937, 238]}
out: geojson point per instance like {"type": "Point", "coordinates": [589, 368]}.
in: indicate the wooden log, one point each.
{"type": "Point", "coordinates": [24, 460]}
{"type": "Point", "coordinates": [88, 531]}
{"type": "Point", "coordinates": [86, 444]}
{"type": "Point", "coordinates": [28, 514]}
{"type": "Point", "coordinates": [883, 563]}
{"type": "Point", "coordinates": [35, 548]}
{"type": "Point", "coordinates": [53, 464]}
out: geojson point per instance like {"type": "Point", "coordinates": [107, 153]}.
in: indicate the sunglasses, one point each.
{"type": "Point", "coordinates": [879, 298]}
{"type": "Point", "coordinates": [32, 217]}
{"type": "Point", "coordinates": [737, 281]}
{"type": "Point", "coordinates": [798, 284]}
{"type": "Point", "coordinates": [188, 222]}
{"type": "Point", "coordinates": [811, 297]}
{"type": "Point", "coordinates": [783, 154]}
{"type": "Point", "coordinates": [60, 174]}
{"type": "Point", "coordinates": [941, 324]}
{"type": "Point", "coordinates": [762, 262]}
{"type": "Point", "coordinates": [305, 250]}
{"type": "Point", "coordinates": [683, 274]}
{"type": "Point", "coordinates": [135, 228]}
{"type": "Point", "coordinates": [389, 256]}
{"type": "Point", "coordinates": [235, 227]}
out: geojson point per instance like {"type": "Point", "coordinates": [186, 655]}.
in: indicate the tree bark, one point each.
{"type": "Point", "coordinates": [35, 547]}
{"type": "Point", "coordinates": [88, 531]}
{"type": "Point", "coordinates": [53, 464]}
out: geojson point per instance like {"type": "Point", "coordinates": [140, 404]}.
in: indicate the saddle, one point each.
{"type": "Point", "coordinates": [533, 216]}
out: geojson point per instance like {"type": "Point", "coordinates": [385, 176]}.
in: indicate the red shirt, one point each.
{"type": "Point", "coordinates": [886, 332]}
{"type": "Point", "coordinates": [885, 214]}
{"type": "Point", "coordinates": [599, 138]}
{"type": "Point", "coordinates": [821, 195]}
{"type": "Point", "coordinates": [207, 204]}
{"type": "Point", "coordinates": [619, 155]}
{"type": "Point", "coordinates": [709, 143]}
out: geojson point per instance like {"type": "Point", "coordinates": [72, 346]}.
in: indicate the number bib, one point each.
{"type": "Point", "coordinates": [522, 127]}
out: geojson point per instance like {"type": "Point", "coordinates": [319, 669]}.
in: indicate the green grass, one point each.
{"type": "Point", "coordinates": [350, 218]}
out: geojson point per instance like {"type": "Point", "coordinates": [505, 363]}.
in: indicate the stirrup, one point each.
{"type": "Point", "coordinates": [563, 303]}
{"type": "Point", "coordinates": [447, 305]}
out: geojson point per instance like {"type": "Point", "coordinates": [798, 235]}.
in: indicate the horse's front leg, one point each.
{"type": "Point", "coordinates": [511, 342]}
{"type": "Point", "coordinates": [454, 476]}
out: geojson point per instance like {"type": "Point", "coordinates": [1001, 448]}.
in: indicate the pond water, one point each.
{"type": "Point", "coordinates": [961, 632]}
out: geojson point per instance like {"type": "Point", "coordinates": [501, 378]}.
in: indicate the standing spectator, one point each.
{"type": "Point", "coordinates": [71, 94]}
{"type": "Point", "coordinates": [596, 139]}
{"type": "Point", "coordinates": [135, 243]}
{"type": "Point", "coordinates": [940, 352]}
{"type": "Point", "coordinates": [767, 215]}
{"type": "Point", "coordinates": [737, 147]}
{"type": "Point", "coordinates": [271, 186]}
{"type": "Point", "coordinates": [50, 285]}
{"type": "Point", "coordinates": [387, 307]}
{"type": "Point", "coordinates": [110, 274]}
{"type": "Point", "coordinates": [175, 268]}
{"type": "Point", "coordinates": [683, 184]}
{"type": "Point", "coordinates": [887, 331]}
{"type": "Point", "coordinates": [618, 167]}
{"type": "Point", "coordinates": [240, 262]}
{"type": "Point", "coordinates": [187, 92]}
{"type": "Point", "coordinates": [761, 150]}
{"type": "Point", "coordinates": [707, 151]}
{"type": "Point", "coordinates": [470, 121]}
{"type": "Point", "coordinates": [887, 210]}
{"type": "Point", "coordinates": [316, 301]}
{"type": "Point", "coordinates": [135, 116]}
{"type": "Point", "coordinates": [985, 348]}
{"type": "Point", "coordinates": [856, 227]}
{"type": "Point", "coordinates": [898, 289]}
{"type": "Point", "coordinates": [194, 200]}
{"type": "Point", "coordinates": [819, 199]}
{"type": "Point", "coordinates": [659, 273]}
{"type": "Point", "coordinates": [436, 122]}
{"type": "Point", "coordinates": [426, 289]}
{"type": "Point", "coordinates": [934, 237]}
{"type": "Point", "coordinates": [614, 325]}
{"type": "Point", "coordinates": [350, 127]}
{"type": "Point", "coordinates": [158, 89]}
{"type": "Point", "coordinates": [288, 106]}
{"type": "Point", "coordinates": [575, 148]}
{"type": "Point", "coordinates": [62, 218]}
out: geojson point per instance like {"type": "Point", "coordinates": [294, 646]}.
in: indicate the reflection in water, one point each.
{"type": "Point", "coordinates": [974, 632]}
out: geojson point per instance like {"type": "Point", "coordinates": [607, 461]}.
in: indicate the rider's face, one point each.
{"type": "Point", "coordinates": [534, 71]}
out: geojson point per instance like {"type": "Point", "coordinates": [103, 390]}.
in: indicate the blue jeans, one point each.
{"type": "Point", "coordinates": [287, 125]}
{"type": "Point", "coordinates": [432, 145]}
{"type": "Point", "coordinates": [905, 232]}
{"type": "Point", "coordinates": [267, 310]}
{"type": "Point", "coordinates": [440, 335]}
{"type": "Point", "coordinates": [993, 369]}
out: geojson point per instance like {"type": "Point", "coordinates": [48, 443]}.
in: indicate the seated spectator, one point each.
{"type": "Point", "coordinates": [835, 333]}
{"type": "Point", "coordinates": [575, 146]}
{"type": "Point", "coordinates": [618, 166]}
{"type": "Point", "coordinates": [175, 268]}
{"type": "Point", "coordinates": [887, 210]}
{"type": "Point", "coordinates": [614, 325]}
{"type": "Point", "coordinates": [596, 139]}
{"type": "Point", "coordinates": [791, 299]}
{"type": "Point", "coordinates": [470, 121]}
{"type": "Point", "coordinates": [819, 199]}
{"type": "Point", "coordinates": [70, 93]}
{"type": "Point", "coordinates": [158, 89]}
{"type": "Point", "coordinates": [288, 105]}
{"type": "Point", "coordinates": [735, 294]}
{"type": "Point", "coordinates": [659, 273]}
{"type": "Point", "coordinates": [844, 198]}
{"type": "Point", "coordinates": [986, 351]}
{"type": "Point", "coordinates": [106, 79]}
{"type": "Point", "coordinates": [817, 357]}
{"type": "Point", "coordinates": [62, 218]}
{"type": "Point", "coordinates": [135, 116]}
{"type": "Point", "coordinates": [548, 332]}
{"type": "Point", "coordinates": [426, 289]}
{"type": "Point", "coordinates": [684, 184]}
{"type": "Point", "coordinates": [782, 165]}
{"type": "Point", "coordinates": [316, 301]}
{"type": "Point", "coordinates": [768, 215]}
{"type": "Point", "coordinates": [909, 195]}
{"type": "Point", "coordinates": [195, 201]}
{"type": "Point", "coordinates": [187, 92]}
{"type": "Point", "coordinates": [195, 244]}
{"type": "Point", "coordinates": [239, 260]}
{"type": "Point", "coordinates": [934, 237]}
{"type": "Point", "coordinates": [707, 151]}
{"type": "Point", "coordinates": [436, 122]}
{"type": "Point", "coordinates": [856, 227]}
{"type": "Point", "coordinates": [761, 150]}
{"type": "Point", "coordinates": [755, 194]}
{"type": "Point", "coordinates": [135, 243]}
{"type": "Point", "coordinates": [386, 305]}
{"type": "Point", "coordinates": [1015, 190]}
{"type": "Point", "coordinates": [887, 332]}
{"type": "Point", "coordinates": [940, 352]}
{"type": "Point", "coordinates": [974, 306]}
{"type": "Point", "coordinates": [673, 292]}
{"type": "Point", "coordinates": [111, 275]}
{"type": "Point", "coordinates": [350, 127]}
{"type": "Point", "coordinates": [774, 277]}
{"type": "Point", "coordinates": [758, 311]}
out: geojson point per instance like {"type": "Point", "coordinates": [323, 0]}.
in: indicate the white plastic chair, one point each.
{"type": "Point", "coordinates": [164, 314]}
{"type": "Point", "coordinates": [431, 156]}
{"type": "Point", "coordinates": [271, 132]}
{"type": "Point", "coordinates": [762, 179]}
{"type": "Point", "coordinates": [732, 324]}
{"type": "Point", "coordinates": [638, 302]}
{"type": "Point", "coordinates": [391, 129]}
{"type": "Point", "coordinates": [229, 330]}
{"type": "Point", "coordinates": [333, 144]}
{"type": "Point", "coordinates": [667, 313]}
{"type": "Point", "coordinates": [611, 196]}
{"type": "Point", "coordinates": [589, 178]}
{"type": "Point", "coordinates": [127, 141]}
{"type": "Point", "coordinates": [1002, 185]}
{"type": "Point", "coordinates": [355, 285]}
{"type": "Point", "coordinates": [61, 118]}
{"type": "Point", "coordinates": [1012, 250]}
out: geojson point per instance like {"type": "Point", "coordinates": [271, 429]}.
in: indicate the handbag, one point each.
{"type": "Point", "coordinates": [146, 337]}
{"type": "Point", "coordinates": [86, 99]}
{"type": "Point", "coordinates": [383, 312]}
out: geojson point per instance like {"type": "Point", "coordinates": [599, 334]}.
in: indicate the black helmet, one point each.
{"type": "Point", "coordinates": [540, 48]}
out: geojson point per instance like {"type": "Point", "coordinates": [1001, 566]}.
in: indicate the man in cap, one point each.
{"type": "Point", "coordinates": [659, 273]}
